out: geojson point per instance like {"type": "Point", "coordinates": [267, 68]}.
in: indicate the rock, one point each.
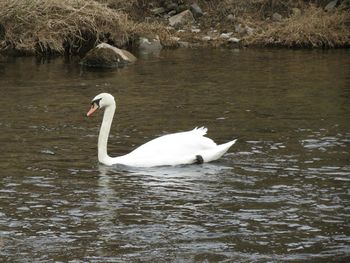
{"type": "Point", "coordinates": [233, 40]}
{"type": "Point", "coordinates": [226, 35]}
{"type": "Point", "coordinates": [296, 11]}
{"type": "Point", "coordinates": [184, 44]}
{"type": "Point", "coordinates": [195, 30]}
{"type": "Point", "coordinates": [176, 39]}
{"type": "Point", "coordinates": [172, 13]}
{"type": "Point", "coordinates": [150, 44]}
{"type": "Point", "coordinates": [171, 6]}
{"type": "Point", "coordinates": [277, 17]}
{"type": "Point", "coordinates": [331, 5]}
{"type": "Point", "coordinates": [181, 8]}
{"type": "Point", "coordinates": [183, 18]}
{"type": "Point", "coordinates": [196, 10]}
{"type": "Point", "coordinates": [206, 38]}
{"type": "Point", "coordinates": [158, 11]}
{"type": "Point", "coordinates": [249, 30]}
{"type": "Point", "coordinates": [231, 18]}
{"type": "Point", "coordinates": [107, 56]}
{"type": "Point", "coordinates": [240, 29]}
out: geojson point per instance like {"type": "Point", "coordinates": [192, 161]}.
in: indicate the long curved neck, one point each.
{"type": "Point", "coordinates": [104, 133]}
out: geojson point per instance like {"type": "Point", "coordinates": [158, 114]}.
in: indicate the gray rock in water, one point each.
{"type": "Point", "coordinates": [183, 18]}
{"type": "Point", "coordinates": [277, 17]}
{"type": "Point", "coordinates": [331, 5]}
{"type": "Point", "coordinates": [150, 44]}
{"type": "Point", "coordinates": [107, 56]}
{"type": "Point", "coordinates": [196, 10]}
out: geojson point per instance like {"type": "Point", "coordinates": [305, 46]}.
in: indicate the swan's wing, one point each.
{"type": "Point", "coordinates": [175, 145]}
{"type": "Point", "coordinates": [174, 149]}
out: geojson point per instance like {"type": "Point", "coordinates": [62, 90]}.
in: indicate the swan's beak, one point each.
{"type": "Point", "coordinates": [93, 108]}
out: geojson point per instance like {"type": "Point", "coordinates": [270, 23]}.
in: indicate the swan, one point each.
{"type": "Point", "coordinates": [173, 149]}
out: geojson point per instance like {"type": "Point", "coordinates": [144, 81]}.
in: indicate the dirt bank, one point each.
{"type": "Point", "coordinates": [72, 27]}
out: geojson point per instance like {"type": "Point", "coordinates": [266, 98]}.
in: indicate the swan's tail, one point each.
{"type": "Point", "coordinates": [217, 152]}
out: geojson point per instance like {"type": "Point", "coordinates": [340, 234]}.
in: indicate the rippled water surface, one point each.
{"type": "Point", "coordinates": [281, 193]}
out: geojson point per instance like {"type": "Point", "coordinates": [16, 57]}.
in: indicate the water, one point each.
{"type": "Point", "coordinates": [281, 193]}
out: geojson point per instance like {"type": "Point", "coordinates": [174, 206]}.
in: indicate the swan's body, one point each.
{"type": "Point", "coordinates": [172, 149]}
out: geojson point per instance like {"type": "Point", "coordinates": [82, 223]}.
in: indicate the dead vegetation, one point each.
{"type": "Point", "coordinates": [51, 26]}
{"type": "Point", "coordinates": [48, 27]}
{"type": "Point", "coordinates": [313, 28]}
{"type": "Point", "coordinates": [65, 26]}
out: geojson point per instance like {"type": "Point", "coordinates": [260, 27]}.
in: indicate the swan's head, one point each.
{"type": "Point", "coordinates": [101, 101]}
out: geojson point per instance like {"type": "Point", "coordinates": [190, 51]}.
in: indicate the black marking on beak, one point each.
{"type": "Point", "coordinates": [97, 102]}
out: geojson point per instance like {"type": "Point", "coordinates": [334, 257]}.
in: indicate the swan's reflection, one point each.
{"type": "Point", "coordinates": [132, 200]}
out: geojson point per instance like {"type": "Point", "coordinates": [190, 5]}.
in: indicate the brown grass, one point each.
{"type": "Point", "coordinates": [41, 25]}
{"type": "Point", "coordinates": [74, 26]}
{"type": "Point", "coordinates": [315, 28]}
{"type": "Point", "coordinates": [58, 26]}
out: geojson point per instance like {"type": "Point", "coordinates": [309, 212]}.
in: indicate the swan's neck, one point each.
{"type": "Point", "coordinates": [103, 156]}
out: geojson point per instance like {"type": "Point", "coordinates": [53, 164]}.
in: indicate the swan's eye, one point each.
{"type": "Point", "coordinates": [97, 102]}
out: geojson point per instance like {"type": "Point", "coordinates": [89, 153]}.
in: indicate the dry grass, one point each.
{"type": "Point", "coordinates": [74, 26]}
{"type": "Point", "coordinates": [52, 25]}
{"type": "Point", "coordinates": [313, 29]}
{"type": "Point", "coordinates": [41, 25]}
{"type": "Point", "coordinates": [257, 8]}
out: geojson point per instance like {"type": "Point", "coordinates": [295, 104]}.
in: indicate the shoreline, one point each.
{"type": "Point", "coordinates": [72, 28]}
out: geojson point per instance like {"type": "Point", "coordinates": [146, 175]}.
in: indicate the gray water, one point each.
{"type": "Point", "coordinates": [281, 194]}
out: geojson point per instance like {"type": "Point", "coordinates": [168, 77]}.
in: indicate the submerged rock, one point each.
{"type": "Point", "coordinates": [183, 18]}
{"type": "Point", "coordinates": [107, 56]}
{"type": "Point", "coordinates": [150, 44]}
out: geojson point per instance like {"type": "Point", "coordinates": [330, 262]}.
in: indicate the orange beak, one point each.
{"type": "Point", "coordinates": [93, 108]}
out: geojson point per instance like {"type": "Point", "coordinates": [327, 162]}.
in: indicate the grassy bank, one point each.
{"type": "Point", "coordinates": [314, 28]}
{"type": "Point", "coordinates": [48, 27]}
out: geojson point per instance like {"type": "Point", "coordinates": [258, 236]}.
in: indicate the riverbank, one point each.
{"type": "Point", "coordinates": [53, 27]}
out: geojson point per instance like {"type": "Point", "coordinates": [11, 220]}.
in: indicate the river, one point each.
{"type": "Point", "coordinates": [280, 194]}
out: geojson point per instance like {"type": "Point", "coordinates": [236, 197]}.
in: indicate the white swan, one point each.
{"type": "Point", "coordinates": [172, 149]}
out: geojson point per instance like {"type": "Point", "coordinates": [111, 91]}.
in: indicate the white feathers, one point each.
{"type": "Point", "coordinates": [172, 149]}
